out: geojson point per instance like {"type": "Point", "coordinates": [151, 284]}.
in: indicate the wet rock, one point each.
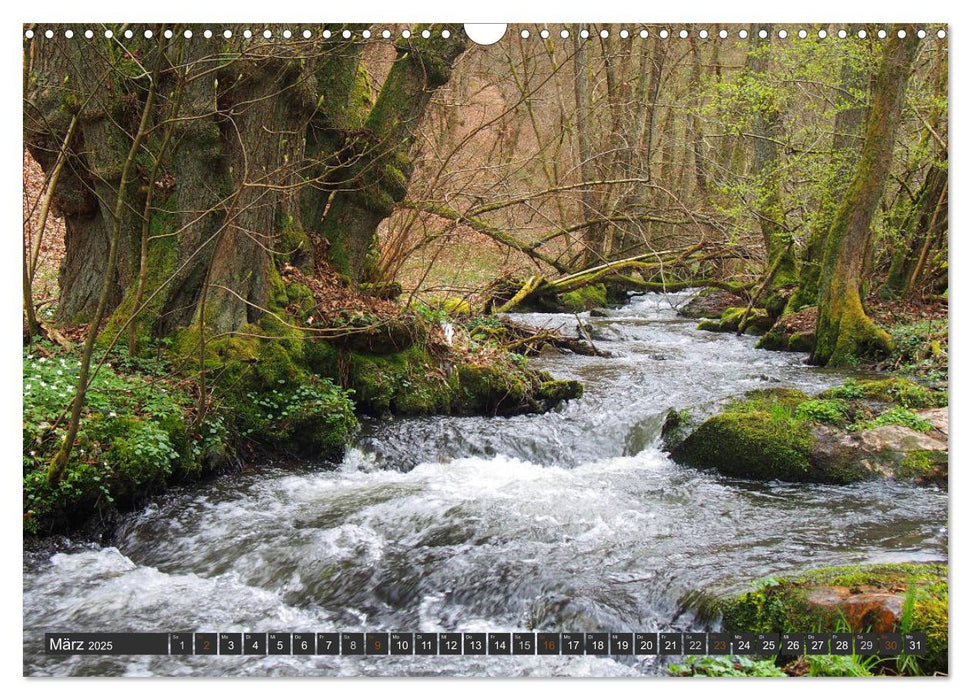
{"type": "Point", "coordinates": [710, 303]}
{"type": "Point", "coordinates": [876, 611]}
{"type": "Point", "coordinates": [559, 390]}
{"type": "Point", "coordinates": [938, 418]}
{"type": "Point", "coordinates": [795, 332]}
{"type": "Point", "coordinates": [890, 451]}
{"type": "Point", "coordinates": [599, 313]}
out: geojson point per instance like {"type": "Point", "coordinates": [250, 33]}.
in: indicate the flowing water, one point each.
{"type": "Point", "coordinates": [570, 521]}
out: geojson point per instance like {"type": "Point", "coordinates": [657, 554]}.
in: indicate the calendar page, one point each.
{"type": "Point", "coordinates": [492, 350]}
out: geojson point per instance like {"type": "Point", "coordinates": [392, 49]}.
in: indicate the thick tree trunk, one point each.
{"type": "Point", "coordinates": [843, 330]}
{"type": "Point", "coordinates": [273, 141]}
{"type": "Point", "coordinates": [379, 178]}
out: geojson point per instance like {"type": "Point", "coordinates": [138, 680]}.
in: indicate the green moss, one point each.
{"type": "Point", "coordinates": [455, 306]}
{"type": "Point", "coordinates": [731, 317]}
{"type": "Point", "coordinates": [403, 383]}
{"type": "Point", "coordinates": [896, 415]}
{"type": "Point", "coordinates": [592, 296]}
{"type": "Point", "coordinates": [766, 399]}
{"type": "Point", "coordinates": [490, 389]}
{"type": "Point", "coordinates": [293, 246]}
{"type": "Point", "coordinates": [931, 618]}
{"type": "Point", "coordinates": [756, 322]}
{"type": "Point", "coordinates": [161, 263]}
{"type": "Point", "coordinates": [802, 342]}
{"type": "Point", "coordinates": [924, 467]}
{"type": "Point", "coordinates": [560, 390]}
{"type": "Point", "coordinates": [303, 297]}
{"type": "Point", "coordinates": [753, 444]}
{"type": "Point", "coordinates": [273, 384]}
{"type": "Point", "coordinates": [895, 390]}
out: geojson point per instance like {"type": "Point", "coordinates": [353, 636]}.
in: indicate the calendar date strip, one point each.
{"type": "Point", "coordinates": [481, 644]}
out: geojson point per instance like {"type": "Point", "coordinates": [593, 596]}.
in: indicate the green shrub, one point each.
{"type": "Point", "coordinates": [896, 416]}
{"type": "Point", "coordinates": [833, 411]}
{"type": "Point", "coordinates": [725, 666]}
{"type": "Point", "coordinates": [316, 417]}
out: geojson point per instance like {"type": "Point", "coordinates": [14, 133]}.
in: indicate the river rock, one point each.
{"type": "Point", "coordinates": [710, 303]}
{"type": "Point", "coordinates": [782, 434]}
{"type": "Point", "coordinates": [938, 418]}
{"type": "Point", "coordinates": [795, 332]}
{"type": "Point", "coordinates": [890, 451]}
{"type": "Point", "coordinates": [877, 611]}
{"type": "Point", "coordinates": [756, 322]}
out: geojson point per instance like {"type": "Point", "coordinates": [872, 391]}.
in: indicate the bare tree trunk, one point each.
{"type": "Point", "coordinates": [767, 131]}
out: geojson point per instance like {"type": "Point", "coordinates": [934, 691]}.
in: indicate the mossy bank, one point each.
{"type": "Point", "coordinates": [200, 403]}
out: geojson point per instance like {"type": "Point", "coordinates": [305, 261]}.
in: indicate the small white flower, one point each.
{"type": "Point", "coordinates": [112, 415]}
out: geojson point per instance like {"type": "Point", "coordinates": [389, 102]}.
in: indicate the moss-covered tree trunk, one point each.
{"type": "Point", "coordinates": [274, 151]}
{"type": "Point", "coordinates": [843, 331]}
{"type": "Point", "coordinates": [378, 178]}
{"type": "Point", "coordinates": [847, 140]}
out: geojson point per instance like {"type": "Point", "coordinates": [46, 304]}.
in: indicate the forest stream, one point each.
{"type": "Point", "coordinates": [574, 520]}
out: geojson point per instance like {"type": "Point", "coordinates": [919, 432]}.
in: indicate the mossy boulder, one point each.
{"type": "Point", "coordinates": [710, 303]}
{"type": "Point", "coordinates": [756, 322]}
{"type": "Point", "coordinates": [874, 598]}
{"type": "Point", "coordinates": [413, 383]}
{"type": "Point", "coordinates": [750, 445]}
{"type": "Point", "coordinates": [403, 383]}
{"type": "Point", "coordinates": [895, 390]}
{"type": "Point", "coordinates": [591, 296]}
{"type": "Point", "coordinates": [888, 451]}
{"type": "Point", "coordinates": [793, 332]}
{"type": "Point", "coordinates": [786, 435]}
{"type": "Point", "coordinates": [274, 390]}
{"type": "Point", "coordinates": [559, 390]}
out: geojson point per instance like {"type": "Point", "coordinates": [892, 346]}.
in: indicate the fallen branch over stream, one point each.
{"type": "Point", "coordinates": [530, 340]}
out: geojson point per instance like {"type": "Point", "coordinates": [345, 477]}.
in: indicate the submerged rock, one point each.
{"type": "Point", "coordinates": [875, 598]}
